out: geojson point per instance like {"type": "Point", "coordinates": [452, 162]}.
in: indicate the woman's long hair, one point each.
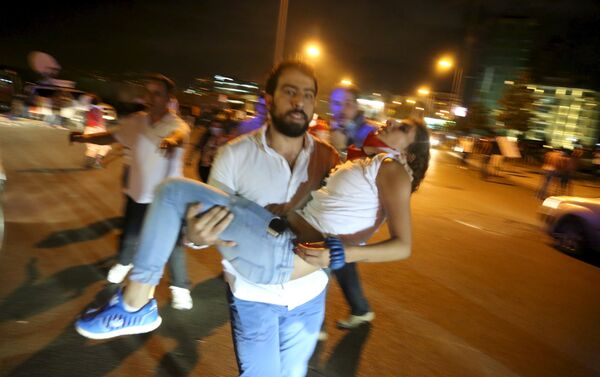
{"type": "Point", "coordinates": [418, 153]}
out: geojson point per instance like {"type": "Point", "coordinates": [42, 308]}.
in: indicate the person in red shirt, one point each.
{"type": "Point", "coordinates": [94, 123]}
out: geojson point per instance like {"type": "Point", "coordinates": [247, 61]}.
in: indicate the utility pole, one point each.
{"type": "Point", "coordinates": [280, 38]}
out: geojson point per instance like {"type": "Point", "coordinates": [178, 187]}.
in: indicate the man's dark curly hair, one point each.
{"type": "Point", "coordinates": [298, 65]}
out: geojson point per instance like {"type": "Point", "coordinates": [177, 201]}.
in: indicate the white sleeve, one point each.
{"type": "Point", "coordinates": [175, 165]}
{"type": "Point", "coordinates": [183, 127]}
{"type": "Point", "coordinates": [223, 170]}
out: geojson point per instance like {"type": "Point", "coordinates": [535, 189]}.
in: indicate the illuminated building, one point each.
{"type": "Point", "coordinates": [565, 116]}
{"type": "Point", "coordinates": [507, 51]}
{"type": "Point", "coordinates": [224, 85]}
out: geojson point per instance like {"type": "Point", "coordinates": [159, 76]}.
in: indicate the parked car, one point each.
{"type": "Point", "coordinates": [573, 222]}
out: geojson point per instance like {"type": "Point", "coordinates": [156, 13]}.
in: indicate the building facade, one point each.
{"type": "Point", "coordinates": [565, 117]}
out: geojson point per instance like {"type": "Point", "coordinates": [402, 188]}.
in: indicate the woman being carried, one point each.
{"type": "Point", "coordinates": [344, 213]}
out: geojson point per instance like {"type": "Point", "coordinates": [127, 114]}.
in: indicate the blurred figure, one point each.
{"type": "Point", "coordinates": [568, 166]}
{"type": "Point", "coordinates": [466, 143]}
{"type": "Point", "coordinates": [348, 125]}
{"type": "Point", "coordinates": [94, 124]}
{"type": "Point", "coordinates": [259, 120]}
{"type": "Point", "coordinates": [596, 162]}
{"type": "Point", "coordinates": [485, 149]}
{"type": "Point", "coordinates": [552, 160]}
{"type": "Point", "coordinates": [216, 135]}
{"type": "Point", "coordinates": [321, 130]}
{"type": "Point", "coordinates": [174, 106]}
{"type": "Point", "coordinates": [154, 140]}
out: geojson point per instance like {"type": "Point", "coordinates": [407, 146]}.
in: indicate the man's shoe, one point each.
{"type": "Point", "coordinates": [356, 320]}
{"type": "Point", "coordinates": [118, 272]}
{"type": "Point", "coordinates": [113, 320]}
{"type": "Point", "coordinates": [181, 299]}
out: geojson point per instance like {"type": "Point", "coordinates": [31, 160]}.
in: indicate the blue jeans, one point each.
{"type": "Point", "coordinates": [133, 219]}
{"type": "Point", "coordinates": [258, 256]}
{"type": "Point", "coordinates": [272, 341]}
{"type": "Point", "coordinates": [349, 281]}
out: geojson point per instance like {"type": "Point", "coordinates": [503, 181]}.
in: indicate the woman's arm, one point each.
{"type": "Point", "coordinates": [393, 183]}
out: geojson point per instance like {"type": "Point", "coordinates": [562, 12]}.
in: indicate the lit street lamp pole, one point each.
{"type": "Point", "coordinates": [446, 63]}
{"type": "Point", "coordinates": [280, 37]}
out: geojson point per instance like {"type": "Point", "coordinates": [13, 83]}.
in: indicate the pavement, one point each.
{"type": "Point", "coordinates": [529, 177]}
{"type": "Point", "coordinates": [484, 293]}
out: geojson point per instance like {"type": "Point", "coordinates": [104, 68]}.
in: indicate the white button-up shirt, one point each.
{"type": "Point", "coordinates": [248, 167]}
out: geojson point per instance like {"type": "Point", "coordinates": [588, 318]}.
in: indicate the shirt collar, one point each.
{"type": "Point", "coordinates": [261, 138]}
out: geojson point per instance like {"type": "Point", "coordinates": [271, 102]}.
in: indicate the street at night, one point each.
{"type": "Point", "coordinates": [483, 294]}
{"type": "Point", "coordinates": [300, 188]}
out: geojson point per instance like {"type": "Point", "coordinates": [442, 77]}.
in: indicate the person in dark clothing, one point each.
{"type": "Point", "coordinates": [349, 127]}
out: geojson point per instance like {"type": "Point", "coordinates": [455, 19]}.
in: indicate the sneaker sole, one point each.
{"type": "Point", "coordinates": [348, 326]}
{"type": "Point", "coordinates": [124, 331]}
{"type": "Point", "coordinates": [179, 307]}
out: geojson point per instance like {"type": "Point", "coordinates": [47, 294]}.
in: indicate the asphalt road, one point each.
{"type": "Point", "coordinates": [484, 293]}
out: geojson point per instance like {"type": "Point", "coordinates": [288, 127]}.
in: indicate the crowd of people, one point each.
{"type": "Point", "coordinates": [264, 206]}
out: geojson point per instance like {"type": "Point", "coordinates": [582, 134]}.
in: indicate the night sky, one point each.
{"type": "Point", "coordinates": [381, 45]}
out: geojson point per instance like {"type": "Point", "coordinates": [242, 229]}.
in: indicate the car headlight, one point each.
{"type": "Point", "coordinates": [551, 203]}
{"type": "Point", "coordinates": [434, 141]}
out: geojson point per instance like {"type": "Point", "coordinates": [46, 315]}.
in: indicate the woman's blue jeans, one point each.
{"type": "Point", "coordinates": [259, 256]}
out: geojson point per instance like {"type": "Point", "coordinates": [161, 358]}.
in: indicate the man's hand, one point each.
{"type": "Point", "coordinates": [205, 229]}
{"type": "Point", "coordinates": [76, 137]}
{"type": "Point", "coordinates": [315, 253]}
{"type": "Point", "coordinates": [168, 144]}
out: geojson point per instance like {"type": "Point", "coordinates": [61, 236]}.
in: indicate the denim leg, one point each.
{"type": "Point", "coordinates": [178, 267]}
{"type": "Point", "coordinates": [298, 335]}
{"type": "Point", "coordinates": [163, 224]}
{"type": "Point", "coordinates": [254, 328]}
{"type": "Point", "coordinates": [349, 281]}
{"type": "Point", "coordinates": [133, 219]}
{"type": "Point", "coordinates": [258, 256]}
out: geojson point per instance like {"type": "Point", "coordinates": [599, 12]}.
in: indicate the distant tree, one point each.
{"type": "Point", "coordinates": [477, 119]}
{"type": "Point", "coordinates": [516, 104]}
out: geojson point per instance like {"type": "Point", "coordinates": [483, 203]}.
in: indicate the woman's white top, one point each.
{"type": "Point", "coordinates": [349, 202]}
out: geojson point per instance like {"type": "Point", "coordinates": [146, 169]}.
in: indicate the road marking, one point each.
{"type": "Point", "coordinates": [469, 225]}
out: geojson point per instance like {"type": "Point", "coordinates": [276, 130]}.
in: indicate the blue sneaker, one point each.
{"type": "Point", "coordinates": [113, 320]}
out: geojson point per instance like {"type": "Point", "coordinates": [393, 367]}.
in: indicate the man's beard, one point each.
{"type": "Point", "coordinates": [287, 128]}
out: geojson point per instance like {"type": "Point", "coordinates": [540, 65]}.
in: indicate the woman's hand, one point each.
{"type": "Point", "coordinates": [313, 253]}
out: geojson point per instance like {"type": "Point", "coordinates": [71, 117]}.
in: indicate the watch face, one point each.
{"type": "Point", "coordinates": [277, 225]}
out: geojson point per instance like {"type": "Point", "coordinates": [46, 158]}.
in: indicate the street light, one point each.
{"type": "Point", "coordinates": [346, 82]}
{"type": "Point", "coordinates": [312, 50]}
{"type": "Point", "coordinates": [446, 63]}
{"type": "Point", "coordinates": [423, 91]}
